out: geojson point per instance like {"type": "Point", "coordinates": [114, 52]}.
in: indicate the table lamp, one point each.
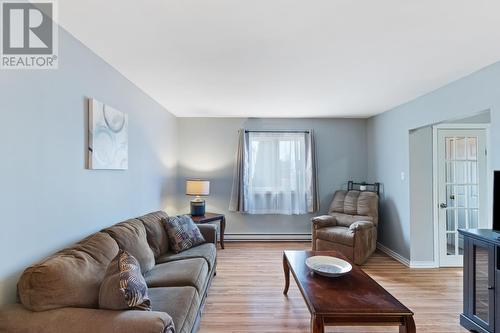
{"type": "Point", "coordinates": [197, 187]}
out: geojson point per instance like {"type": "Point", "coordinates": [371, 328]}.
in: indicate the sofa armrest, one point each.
{"type": "Point", "coordinates": [15, 318]}
{"type": "Point", "coordinates": [209, 232]}
{"type": "Point", "coordinates": [323, 221]}
{"type": "Point", "coordinates": [360, 225]}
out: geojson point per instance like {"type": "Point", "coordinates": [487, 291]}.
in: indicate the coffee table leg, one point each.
{"type": "Point", "coordinates": [317, 324]}
{"type": "Point", "coordinates": [408, 326]}
{"type": "Point", "coordinates": [222, 230]}
{"type": "Point", "coordinates": [286, 270]}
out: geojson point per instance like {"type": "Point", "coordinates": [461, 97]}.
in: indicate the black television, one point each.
{"type": "Point", "coordinates": [496, 201]}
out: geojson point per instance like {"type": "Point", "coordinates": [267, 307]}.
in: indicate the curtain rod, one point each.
{"type": "Point", "coordinates": [280, 131]}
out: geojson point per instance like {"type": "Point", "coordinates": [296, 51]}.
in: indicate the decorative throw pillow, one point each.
{"type": "Point", "coordinates": [124, 286]}
{"type": "Point", "coordinates": [183, 233]}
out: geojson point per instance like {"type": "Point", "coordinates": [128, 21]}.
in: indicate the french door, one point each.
{"type": "Point", "coordinates": [462, 189]}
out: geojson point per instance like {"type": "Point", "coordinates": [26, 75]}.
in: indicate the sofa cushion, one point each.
{"type": "Point", "coordinates": [155, 231]}
{"type": "Point", "coordinates": [340, 235]}
{"type": "Point", "coordinates": [206, 251]}
{"type": "Point", "coordinates": [368, 205]}
{"type": "Point", "coordinates": [181, 303]}
{"type": "Point", "coordinates": [189, 272]}
{"type": "Point", "coordinates": [123, 286]}
{"type": "Point", "coordinates": [346, 220]}
{"type": "Point", "coordinates": [355, 203]}
{"type": "Point", "coordinates": [183, 233]}
{"type": "Point", "coordinates": [351, 202]}
{"type": "Point", "coordinates": [131, 237]}
{"type": "Point", "coordinates": [337, 204]}
{"type": "Point", "coordinates": [69, 278]}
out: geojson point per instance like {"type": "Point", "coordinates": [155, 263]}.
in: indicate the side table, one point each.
{"type": "Point", "coordinates": [212, 217]}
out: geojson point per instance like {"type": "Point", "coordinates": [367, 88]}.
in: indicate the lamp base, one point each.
{"type": "Point", "coordinates": [197, 207]}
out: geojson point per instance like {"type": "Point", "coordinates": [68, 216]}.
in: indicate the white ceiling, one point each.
{"type": "Point", "coordinates": [287, 58]}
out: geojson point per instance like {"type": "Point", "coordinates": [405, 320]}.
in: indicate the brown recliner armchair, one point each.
{"type": "Point", "coordinates": [350, 226]}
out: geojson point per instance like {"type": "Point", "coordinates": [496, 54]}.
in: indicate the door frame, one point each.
{"type": "Point", "coordinates": [435, 173]}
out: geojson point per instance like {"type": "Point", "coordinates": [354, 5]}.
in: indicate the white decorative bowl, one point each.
{"type": "Point", "coordinates": [328, 266]}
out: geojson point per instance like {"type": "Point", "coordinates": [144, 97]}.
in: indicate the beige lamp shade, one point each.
{"type": "Point", "coordinates": [197, 187]}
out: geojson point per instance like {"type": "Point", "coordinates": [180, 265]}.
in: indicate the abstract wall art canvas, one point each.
{"type": "Point", "coordinates": [108, 137]}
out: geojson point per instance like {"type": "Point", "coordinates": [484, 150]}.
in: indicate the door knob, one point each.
{"type": "Point", "coordinates": [443, 205]}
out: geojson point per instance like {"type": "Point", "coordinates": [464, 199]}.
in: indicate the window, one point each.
{"type": "Point", "coordinates": [276, 173]}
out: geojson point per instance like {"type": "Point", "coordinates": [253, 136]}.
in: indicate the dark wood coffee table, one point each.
{"type": "Point", "coordinates": [351, 300]}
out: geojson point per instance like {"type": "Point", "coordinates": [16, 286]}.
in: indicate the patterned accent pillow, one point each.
{"type": "Point", "coordinates": [183, 233]}
{"type": "Point", "coordinates": [124, 286]}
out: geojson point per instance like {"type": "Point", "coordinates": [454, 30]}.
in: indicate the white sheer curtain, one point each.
{"type": "Point", "coordinates": [278, 173]}
{"type": "Point", "coordinates": [275, 173]}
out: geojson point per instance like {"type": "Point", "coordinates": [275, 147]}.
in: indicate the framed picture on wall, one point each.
{"type": "Point", "coordinates": [107, 137]}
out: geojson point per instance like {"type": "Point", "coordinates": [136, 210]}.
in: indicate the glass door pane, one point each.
{"type": "Point", "coordinates": [481, 283]}
{"type": "Point", "coordinates": [461, 183]}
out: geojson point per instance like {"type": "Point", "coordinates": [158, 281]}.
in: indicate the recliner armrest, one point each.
{"type": "Point", "coordinates": [360, 225]}
{"type": "Point", "coordinates": [323, 221]}
{"type": "Point", "coordinates": [209, 232]}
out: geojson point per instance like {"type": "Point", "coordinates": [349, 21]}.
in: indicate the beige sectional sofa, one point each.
{"type": "Point", "coordinates": [61, 293]}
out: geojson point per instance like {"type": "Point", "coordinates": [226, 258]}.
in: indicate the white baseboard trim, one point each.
{"type": "Point", "coordinates": [267, 237]}
{"type": "Point", "coordinates": [423, 264]}
{"type": "Point", "coordinates": [394, 255]}
{"type": "Point", "coordinates": [405, 261]}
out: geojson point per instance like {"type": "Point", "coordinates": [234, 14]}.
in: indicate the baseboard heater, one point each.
{"type": "Point", "coordinates": [266, 237]}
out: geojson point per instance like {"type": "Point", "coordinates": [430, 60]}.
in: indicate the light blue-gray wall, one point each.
{"type": "Point", "coordinates": [421, 199]}
{"type": "Point", "coordinates": [388, 144]}
{"type": "Point", "coordinates": [48, 199]}
{"type": "Point", "coordinates": [207, 149]}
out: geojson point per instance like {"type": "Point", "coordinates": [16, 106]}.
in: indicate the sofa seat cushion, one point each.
{"type": "Point", "coordinates": [69, 278]}
{"type": "Point", "coordinates": [131, 237]}
{"type": "Point", "coordinates": [337, 234]}
{"type": "Point", "coordinates": [156, 233]}
{"type": "Point", "coordinates": [181, 303]}
{"type": "Point", "coordinates": [190, 272]}
{"type": "Point", "coordinates": [206, 251]}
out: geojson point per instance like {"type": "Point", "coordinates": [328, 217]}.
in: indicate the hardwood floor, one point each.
{"type": "Point", "coordinates": [246, 295]}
